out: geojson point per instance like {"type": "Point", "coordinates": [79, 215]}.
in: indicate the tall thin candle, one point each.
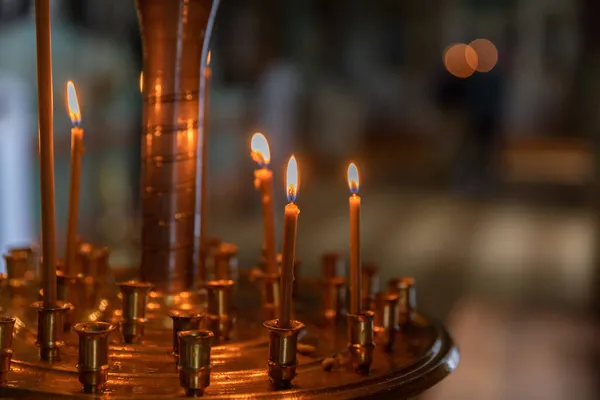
{"type": "Point", "coordinates": [46, 143]}
{"type": "Point", "coordinates": [290, 224]}
{"type": "Point", "coordinates": [355, 262]}
{"type": "Point", "coordinates": [75, 184]}
{"type": "Point", "coordinates": [263, 179]}
{"type": "Point", "coordinates": [202, 245]}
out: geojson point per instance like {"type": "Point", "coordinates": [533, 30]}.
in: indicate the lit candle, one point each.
{"type": "Point", "coordinates": [46, 143]}
{"type": "Point", "coordinates": [263, 180]}
{"type": "Point", "coordinates": [75, 184]}
{"type": "Point", "coordinates": [355, 263]}
{"type": "Point", "coordinates": [290, 223]}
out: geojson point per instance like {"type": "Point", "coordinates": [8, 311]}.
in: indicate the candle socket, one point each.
{"type": "Point", "coordinates": [194, 361]}
{"type": "Point", "coordinates": [17, 264]}
{"type": "Point", "coordinates": [360, 341]}
{"type": "Point", "coordinates": [183, 321]}
{"type": "Point", "coordinates": [219, 316]}
{"type": "Point", "coordinates": [282, 362]}
{"type": "Point", "coordinates": [378, 309]}
{"type": "Point", "coordinates": [390, 320]}
{"type": "Point", "coordinates": [270, 291]}
{"type": "Point", "coordinates": [370, 286]}
{"type": "Point", "coordinates": [50, 328]}
{"type": "Point", "coordinates": [68, 290]}
{"type": "Point", "coordinates": [334, 298]}
{"type": "Point", "coordinates": [407, 299]}
{"type": "Point", "coordinates": [226, 262]}
{"type": "Point", "coordinates": [7, 325]}
{"type": "Point", "coordinates": [135, 301]}
{"type": "Point", "coordinates": [93, 354]}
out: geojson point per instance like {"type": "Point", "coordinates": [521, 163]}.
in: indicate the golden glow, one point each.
{"type": "Point", "coordinates": [353, 178]}
{"type": "Point", "coordinates": [142, 82]}
{"type": "Point", "coordinates": [208, 58]}
{"type": "Point", "coordinates": [260, 150]}
{"type": "Point", "coordinates": [291, 179]}
{"type": "Point", "coordinates": [461, 60]}
{"type": "Point", "coordinates": [73, 104]}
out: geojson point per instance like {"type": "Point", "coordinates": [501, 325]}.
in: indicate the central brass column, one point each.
{"type": "Point", "coordinates": [175, 36]}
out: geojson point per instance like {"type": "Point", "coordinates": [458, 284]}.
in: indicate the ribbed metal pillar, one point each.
{"type": "Point", "coordinates": [175, 36]}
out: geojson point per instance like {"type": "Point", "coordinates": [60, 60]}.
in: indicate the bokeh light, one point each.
{"type": "Point", "coordinates": [487, 54]}
{"type": "Point", "coordinates": [461, 60]}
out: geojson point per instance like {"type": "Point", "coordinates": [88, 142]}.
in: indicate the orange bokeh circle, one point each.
{"type": "Point", "coordinates": [461, 60]}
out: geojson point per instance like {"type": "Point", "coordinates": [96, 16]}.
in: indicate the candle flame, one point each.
{"type": "Point", "coordinates": [291, 179]}
{"type": "Point", "coordinates": [208, 57]}
{"type": "Point", "coordinates": [353, 178]}
{"type": "Point", "coordinates": [260, 150]}
{"type": "Point", "coordinates": [73, 104]}
{"type": "Point", "coordinates": [142, 82]}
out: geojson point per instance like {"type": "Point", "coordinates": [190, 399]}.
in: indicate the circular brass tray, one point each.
{"type": "Point", "coordinates": [424, 355]}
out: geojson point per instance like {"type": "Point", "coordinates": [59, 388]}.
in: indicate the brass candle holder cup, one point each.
{"type": "Point", "coordinates": [226, 262]}
{"type": "Point", "coordinates": [68, 290]}
{"type": "Point", "coordinates": [135, 301]}
{"type": "Point", "coordinates": [93, 354]}
{"type": "Point", "coordinates": [219, 311]}
{"type": "Point", "coordinates": [194, 361]}
{"type": "Point", "coordinates": [407, 299]}
{"type": "Point", "coordinates": [360, 341]}
{"type": "Point", "coordinates": [390, 320]}
{"type": "Point", "coordinates": [334, 298]}
{"type": "Point", "coordinates": [183, 321]}
{"type": "Point", "coordinates": [50, 329]}
{"type": "Point", "coordinates": [283, 343]}
{"type": "Point", "coordinates": [369, 286]}
{"type": "Point", "coordinates": [7, 325]}
{"type": "Point", "coordinates": [17, 264]}
{"type": "Point", "coordinates": [269, 285]}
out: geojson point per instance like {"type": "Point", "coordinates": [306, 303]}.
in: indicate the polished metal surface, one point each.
{"type": "Point", "coordinates": [175, 34]}
{"type": "Point", "coordinates": [424, 354]}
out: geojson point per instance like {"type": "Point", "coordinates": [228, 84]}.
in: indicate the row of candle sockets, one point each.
{"type": "Point", "coordinates": [135, 299]}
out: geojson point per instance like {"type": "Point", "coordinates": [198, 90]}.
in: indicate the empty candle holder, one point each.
{"type": "Point", "coordinates": [93, 354]}
{"type": "Point", "coordinates": [226, 263]}
{"type": "Point", "coordinates": [7, 325]}
{"type": "Point", "coordinates": [68, 290]}
{"type": "Point", "coordinates": [369, 286]}
{"type": "Point", "coordinates": [135, 301]}
{"type": "Point", "coordinates": [406, 290]}
{"type": "Point", "coordinates": [334, 298]}
{"type": "Point", "coordinates": [50, 329]}
{"type": "Point", "coordinates": [360, 341]}
{"type": "Point", "coordinates": [283, 343]}
{"type": "Point", "coordinates": [390, 320]}
{"type": "Point", "coordinates": [183, 321]}
{"type": "Point", "coordinates": [219, 316]}
{"type": "Point", "coordinates": [17, 264]}
{"type": "Point", "coordinates": [194, 361]}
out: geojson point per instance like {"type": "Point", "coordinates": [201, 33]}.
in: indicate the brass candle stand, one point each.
{"type": "Point", "coordinates": [204, 314]}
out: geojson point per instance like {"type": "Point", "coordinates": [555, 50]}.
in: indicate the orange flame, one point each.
{"type": "Point", "coordinates": [353, 178]}
{"type": "Point", "coordinates": [291, 179]}
{"type": "Point", "coordinates": [260, 150]}
{"type": "Point", "coordinates": [142, 82]}
{"type": "Point", "coordinates": [73, 104]}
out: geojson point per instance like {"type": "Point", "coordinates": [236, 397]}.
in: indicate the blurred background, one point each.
{"type": "Point", "coordinates": [475, 125]}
